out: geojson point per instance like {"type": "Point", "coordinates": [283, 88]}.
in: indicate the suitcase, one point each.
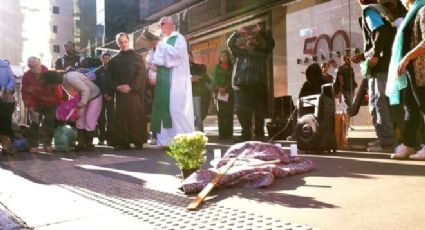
{"type": "Point", "coordinates": [315, 128]}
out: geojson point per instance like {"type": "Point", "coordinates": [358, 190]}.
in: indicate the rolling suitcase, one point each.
{"type": "Point", "coordinates": [315, 129]}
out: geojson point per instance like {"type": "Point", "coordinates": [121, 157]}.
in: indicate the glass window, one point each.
{"type": "Point", "coordinates": [56, 48]}
{"type": "Point", "coordinates": [56, 9]}
{"type": "Point", "coordinates": [55, 29]}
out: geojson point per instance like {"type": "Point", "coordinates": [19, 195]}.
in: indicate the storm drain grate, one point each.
{"type": "Point", "coordinates": [166, 213]}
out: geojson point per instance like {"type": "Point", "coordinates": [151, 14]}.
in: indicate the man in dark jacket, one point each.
{"type": "Point", "coordinates": [104, 124]}
{"type": "Point", "coordinates": [251, 77]}
{"type": "Point", "coordinates": [346, 82]}
{"type": "Point", "coordinates": [378, 31]}
{"type": "Point", "coordinates": [69, 59]}
{"type": "Point", "coordinates": [200, 92]}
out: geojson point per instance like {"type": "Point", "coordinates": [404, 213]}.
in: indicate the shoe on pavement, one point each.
{"type": "Point", "coordinates": [419, 155]}
{"type": "Point", "coordinates": [48, 148]}
{"type": "Point", "coordinates": [379, 148]}
{"type": "Point", "coordinates": [402, 152]}
{"type": "Point", "coordinates": [373, 143]}
{"type": "Point", "coordinates": [8, 152]}
{"type": "Point", "coordinates": [34, 150]}
{"type": "Point", "coordinates": [153, 142]}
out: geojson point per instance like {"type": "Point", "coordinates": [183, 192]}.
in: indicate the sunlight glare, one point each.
{"type": "Point", "coordinates": [36, 30]}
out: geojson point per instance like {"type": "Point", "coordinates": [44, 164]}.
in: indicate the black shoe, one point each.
{"type": "Point", "coordinates": [80, 147]}
{"type": "Point", "coordinates": [241, 139]}
{"type": "Point", "coordinates": [90, 147]}
{"type": "Point", "coordinates": [122, 147]}
{"type": "Point", "coordinates": [225, 137]}
{"type": "Point", "coordinates": [8, 152]}
{"type": "Point", "coordinates": [138, 147]}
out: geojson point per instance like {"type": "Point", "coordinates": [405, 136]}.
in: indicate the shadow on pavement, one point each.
{"type": "Point", "coordinates": [274, 195]}
{"type": "Point", "coordinates": [126, 175]}
{"type": "Point", "coordinates": [339, 166]}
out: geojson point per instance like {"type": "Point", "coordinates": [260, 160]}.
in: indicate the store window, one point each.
{"type": "Point", "coordinates": [56, 10]}
{"type": "Point", "coordinates": [56, 49]}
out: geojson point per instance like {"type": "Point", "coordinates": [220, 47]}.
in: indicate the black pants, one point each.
{"type": "Point", "coordinates": [6, 111]}
{"type": "Point", "coordinates": [414, 106]}
{"type": "Point", "coordinates": [225, 118]}
{"type": "Point", "coordinates": [252, 103]}
{"type": "Point", "coordinates": [105, 121]}
{"type": "Point", "coordinates": [42, 130]}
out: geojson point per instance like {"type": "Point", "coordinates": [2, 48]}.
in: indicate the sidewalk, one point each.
{"type": "Point", "coordinates": [114, 190]}
{"type": "Point", "coordinates": [8, 222]}
{"type": "Point", "coordinates": [46, 207]}
{"type": "Point", "coordinates": [111, 189]}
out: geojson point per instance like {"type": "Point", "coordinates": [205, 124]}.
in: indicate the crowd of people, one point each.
{"type": "Point", "coordinates": [113, 104]}
{"type": "Point", "coordinates": [392, 63]}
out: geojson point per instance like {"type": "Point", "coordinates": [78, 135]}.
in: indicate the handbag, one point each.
{"type": "Point", "coordinates": [68, 110]}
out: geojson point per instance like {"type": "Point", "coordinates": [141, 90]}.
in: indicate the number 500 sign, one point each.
{"type": "Point", "coordinates": [311, 44]}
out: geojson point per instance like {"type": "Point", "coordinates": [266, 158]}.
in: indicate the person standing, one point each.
{"type": "Point", "coordinates": [127, 81]}
{"type": "Point", "coordinates": [224, 94]}
{"type": "Point", "coordinates": [7, 106]}
{"type": "Point", "coordinates": [152, 41]}
{"type": "Point", "coordinates": [346, 81]}
{"type": "Point", "coordinates": [251, 78]}
{"type": "Point", "coordinates": [200, 92]}
{"type": "Point", "coordinates": [172, 111]}
{"type": "Point", "coordinates": [69, 59]}
{"type": "Point", "coordinates": [407, 78]}
{"type": "Point", "coordinates": [379, 32]}
{"type": "Point", "coordinates": [41, 101]}
{"type": "Point", "coordinates": [105, 121]}
{"type": "Point", "coordinates": [326, 77]}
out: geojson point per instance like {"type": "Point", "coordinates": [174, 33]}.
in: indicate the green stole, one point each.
{"type": "Point", "coordinates": [161, 101]}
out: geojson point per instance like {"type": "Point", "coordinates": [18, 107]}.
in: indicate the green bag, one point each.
{"type": "Point", "coordinates": [64, 138]}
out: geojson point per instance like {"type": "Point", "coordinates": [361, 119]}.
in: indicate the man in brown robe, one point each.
{"type": "Point", "coordinates": [127, 80]}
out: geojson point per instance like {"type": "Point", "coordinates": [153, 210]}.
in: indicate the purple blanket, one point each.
{"type": "Point", "coordinates": [251, 169]}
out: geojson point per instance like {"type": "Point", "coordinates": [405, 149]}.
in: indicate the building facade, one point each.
{"type": "Point", "coordinates": [304, 31]}
{"type": "Point", "coordinates": [34, 28]}
{"type": "Point", "coordinates": [41, 27]}
{"type": "Point", "coordinates": [85, 26]}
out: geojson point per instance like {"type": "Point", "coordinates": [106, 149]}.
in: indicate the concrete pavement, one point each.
{"type": "Point", "coordinates": [7, 221]}
{"type": "Point", "coordinates": [138, 190]}
{"type": "Point", "coordinates": [110, 189]}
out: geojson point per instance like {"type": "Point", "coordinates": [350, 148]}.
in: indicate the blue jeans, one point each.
{"type": "Point", "coordinates": [348, 99]}
{"type": "Point", "coordinates": [380, 109]}
{"type": "Point", "coordinates": [414, 107]}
